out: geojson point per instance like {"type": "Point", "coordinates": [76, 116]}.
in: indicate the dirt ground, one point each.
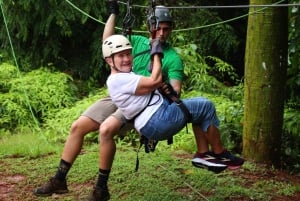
{"type": "Point", "coordinates": [9, 184]}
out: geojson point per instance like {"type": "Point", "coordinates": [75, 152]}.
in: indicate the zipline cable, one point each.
{"type": "Point", "coordinates": [187, 184]}
{"type": "Point", "coordinates": [223, 7]}
{"type": "Point", "coordinates": [18, 69]}
{"type": "Point", "coordinates": [262, 7]}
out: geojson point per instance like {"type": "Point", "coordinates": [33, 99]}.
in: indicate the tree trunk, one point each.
{"type": "Point", "coordinates": [265, 77]}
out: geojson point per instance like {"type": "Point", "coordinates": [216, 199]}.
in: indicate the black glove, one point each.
{"type": "Point", "coordinates": [156, 48]}
{"type": "Point", "coordinates": [113, 7]}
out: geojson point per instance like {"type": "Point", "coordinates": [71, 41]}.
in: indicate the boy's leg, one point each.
{"type": "Point", "coordinates": [88, 122]}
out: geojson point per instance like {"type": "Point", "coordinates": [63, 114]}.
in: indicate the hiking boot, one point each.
{"type": "Point", "coordinates": [99, 194]}
{"type": "Point", "coordinates": [52, 186]}
{"type": "Point", "coordinates": [208, 161]}
{"type": "Point", "coordinates": [233, 162]}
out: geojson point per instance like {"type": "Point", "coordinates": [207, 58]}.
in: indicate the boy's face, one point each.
{"type": "Point", "coordinates": [121, 60]}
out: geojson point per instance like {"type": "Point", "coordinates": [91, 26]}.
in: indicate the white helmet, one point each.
{"type": "Point", "coordinates": [114, 44]}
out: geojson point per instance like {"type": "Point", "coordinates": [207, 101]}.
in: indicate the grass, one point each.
{"type": "Point", "coordinates": [27, 145]}
{"type": "Point", "coordinates": [166, 174]}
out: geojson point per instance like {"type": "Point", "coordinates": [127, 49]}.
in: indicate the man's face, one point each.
{"type": "Point", "coordinates": [164, 30]}
{"type": "Point", "coordinates": [121, 60]}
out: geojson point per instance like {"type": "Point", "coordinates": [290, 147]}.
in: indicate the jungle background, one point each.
{"type": "Point", "coordinates": [51, 70]}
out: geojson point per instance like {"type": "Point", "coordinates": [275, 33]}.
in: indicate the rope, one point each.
{"type": "Point", "coordinates": [225, 7]}
{"type": "Point", "coordinates": [263, 7]}
{"type": "Point", "coordinates": [18, 69]}
{"type": "Point", "coordinates": [187, 184]}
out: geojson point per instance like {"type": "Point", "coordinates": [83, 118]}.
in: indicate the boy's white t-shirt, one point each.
{"type": "Point", "coordinates": [122, 87]}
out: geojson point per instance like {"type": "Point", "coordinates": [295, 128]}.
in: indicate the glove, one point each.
{"type": "Point", "coordinates": [113, 7]}
{"type": "Point", "coordinates": [156, 48]}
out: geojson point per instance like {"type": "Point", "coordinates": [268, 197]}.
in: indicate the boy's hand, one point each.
{"type": "Point", "coordinates": [113, 7]}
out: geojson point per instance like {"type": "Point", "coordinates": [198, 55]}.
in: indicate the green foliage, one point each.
{"type": "Point", "coordinates": [71, 39]}
{"type": "Point", "coordinates": [203, 73]}
{"type": "Point", "coordinates": [293, 73]}
{"type": "Point", "coordinates": [230, 113]}
{"type": "Point", "coordinates": [7, 72]}
{"type": "Point", "coordinates": [195, 68]}
{"type": "Point", "coordinates": [291, 139]}
{"type": "Point", "coordinates": [221, 70]}
{"type": "Point", "coordinates": [214, 36]}
{"type": "Point", "coordinates": [53, 31]}
{"type": "Point", "coordinates": [31, 97]}
{"type": "Point", "coordinates": [29, 145]}
{"type": "Point", "coordinates": [231, 116]}
{"type": "Point", "coordinates": [57, 125]}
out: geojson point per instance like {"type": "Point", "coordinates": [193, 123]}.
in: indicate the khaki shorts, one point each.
{"type": "Point", "coordinates": [104, 108]}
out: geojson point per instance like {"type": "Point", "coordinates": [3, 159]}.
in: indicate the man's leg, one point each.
{"type": "Point", "coordinates": [201, 141]}
{"type": "Point", "coordinates": [220, 152]}
{"type": "Point", "coordinates": [204, 158]}
{"type": "Point", "coordinates": [212, 137]}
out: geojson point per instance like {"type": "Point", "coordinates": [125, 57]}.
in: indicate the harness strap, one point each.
{"type": "Point", "coordinates": [140, 112]}
{"type": "Point", "coordinates": [173, 97]}
{"type": "Point", "coordinates": [137, 164]}
{"type": "Point", "coordinates": [182, 106]}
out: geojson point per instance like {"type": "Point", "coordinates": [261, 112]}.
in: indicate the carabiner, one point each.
{"type": "Point", "coordinates": [128, 20]}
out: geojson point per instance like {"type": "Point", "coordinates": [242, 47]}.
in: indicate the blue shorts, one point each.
{"type": "Point", "coordinates": [168, 120]}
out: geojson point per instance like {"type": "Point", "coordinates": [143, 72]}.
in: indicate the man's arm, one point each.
{"type": "Point", "coordinates": [176, 84]}
{"type": "Point", "coordinates": [148, 84]}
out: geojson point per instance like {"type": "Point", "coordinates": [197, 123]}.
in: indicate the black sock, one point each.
{"type": "Point", "coordinates": [62, 170]}
{"type": "Point", "coordinates": [102, 178]}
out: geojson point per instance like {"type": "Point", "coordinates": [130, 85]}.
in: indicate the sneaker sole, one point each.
{"type": "Point", "coordinates": [214, 167]}
{"type": "Point", "coordinates": [231, 167]}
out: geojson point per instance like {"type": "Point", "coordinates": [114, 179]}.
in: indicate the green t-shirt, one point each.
{"type": "Point", "coordinates": [172, 66]}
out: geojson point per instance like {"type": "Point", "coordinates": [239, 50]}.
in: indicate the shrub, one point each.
{"type": "Point", "coordinates": [57, 125]}
{"type": "Point", "coordinates": [291, 139]}
{"type": "Point", "coordinates": [27, 99]}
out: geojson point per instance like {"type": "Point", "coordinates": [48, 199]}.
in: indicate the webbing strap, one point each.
{"type": "Point", "coordinates": [140, 112]}
{"type": "Point", "coordinates": [186, 112]}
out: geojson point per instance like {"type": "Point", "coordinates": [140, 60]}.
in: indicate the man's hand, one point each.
{"type": "Point", "coordinates": [113, 7]}
{"type": "Point", "coordinates": [167, 90]}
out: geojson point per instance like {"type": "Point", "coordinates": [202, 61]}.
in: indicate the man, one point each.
{"type": "Point", "coordinates": [216, 161]}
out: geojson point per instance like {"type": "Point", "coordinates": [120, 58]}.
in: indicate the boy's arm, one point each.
{"type": "Point", "coordinates": [110, 24]}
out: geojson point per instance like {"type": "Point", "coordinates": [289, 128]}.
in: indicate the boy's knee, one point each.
{"type": "Point", "coordinates": [109, 128]}
{"type": "Point", "coordinates": [82, 126]}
